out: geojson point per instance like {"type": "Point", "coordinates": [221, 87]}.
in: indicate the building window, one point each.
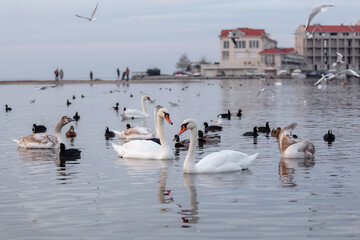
{"type": "Point", "coordinates": [225, 55]}
{"type": "Point", "coordinates": [333, 34]}
{"type": "Point", "coordinates": [254, 44]}
{"type": "Point", "coordinates": [240, 55]}
{"type": "Point", "coordinates": [240, 44]}
{"type": "Point", "coordinates": [269, 59]}
{"type": "Point", "coordinates": [253, 55]}
{"type": "Point", "coordinates": [325, 43]}
{"type": "Point", "coordinates": [226, 44]}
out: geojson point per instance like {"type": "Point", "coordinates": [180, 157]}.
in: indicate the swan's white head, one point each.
{"type": "Point", "coordinates": [187, 124]}
{"type": "Point", "coordinates": [164, 113]}
{"type": "Point", "coordinates": [145, 97]}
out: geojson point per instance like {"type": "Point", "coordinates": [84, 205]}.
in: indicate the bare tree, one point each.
{"type": "Point", "coordinates": [183, 63]}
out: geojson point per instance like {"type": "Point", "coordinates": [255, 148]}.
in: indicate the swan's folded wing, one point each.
{"type": "Point", "coordinates": [142, 149]}
{"type": "Point", "coordinates": [224, 161]}
{"type": "Point", "coordinates": [133, 112]}
{"type": "Point", "coordinates": [37, 140]}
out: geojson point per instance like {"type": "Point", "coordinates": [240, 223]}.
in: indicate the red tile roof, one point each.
{"type": "Point", "coordinates": [247, 31]}
{"type": "Point", "coordinates": [333, 28]}
{"type": "Point", "coordinates": [277, 51]}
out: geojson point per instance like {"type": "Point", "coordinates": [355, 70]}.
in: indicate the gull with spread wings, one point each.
{"type": "Point", "coordinates": [92, 18]}
{"type": "Point", "coordinates": [315, 11]}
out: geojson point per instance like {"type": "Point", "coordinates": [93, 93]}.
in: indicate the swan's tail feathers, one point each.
{"type": "Point", "coordinates": [119, 149]}
{"type": "Point", "coordinates": [253, 157]}
{"type": "Point", "coordinates": [16, 141]}
{"type": "Point", "coordinates": [249, 160]}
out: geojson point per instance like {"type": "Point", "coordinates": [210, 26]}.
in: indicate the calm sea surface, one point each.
{"type": "Point", "coordinates": [101, 196]}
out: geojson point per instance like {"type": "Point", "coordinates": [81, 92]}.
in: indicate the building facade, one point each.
{"type": "Point", "coordinates": [273, 60]}
{"type": "Point", "coordinates": [320, 44]}
{"type": "Point", "coordinates": [242, 57]}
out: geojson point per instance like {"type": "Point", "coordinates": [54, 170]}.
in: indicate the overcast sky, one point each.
{"type": "Point", "coordinates": [38, 36]}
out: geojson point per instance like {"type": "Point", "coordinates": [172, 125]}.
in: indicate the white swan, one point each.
{"type": "Point", "coordinates": [136, 133]}
{"type": "Point", "coordinates": [44, 140]}
{"type": "Point", "coordinates": [132, 133]}
{"type": "Point", "coordinates": [291, 147]}
{"type": "Point", "coordinates": [135, 113]}
{"type": "Point", "coordinates": [223, 161]}
{"type": "Point", "coordinates": [144, 149]}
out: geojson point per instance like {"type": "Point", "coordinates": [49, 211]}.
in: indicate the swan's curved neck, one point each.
{"type": "Point", "coordinates": [155, 121]}
{"type": "Point", "coordinates": [143, 105]}
{"type": "Point", "coordinates": [189, 163]}
{"type": "Point", "coordinates": [57, 131]}
{"type": "Point", "coordinates": [161, 132]}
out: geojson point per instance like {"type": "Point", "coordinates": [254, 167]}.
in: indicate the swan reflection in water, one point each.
{"type": "Point", "coordinates": [287, 169]}
{"type": "Point", "coordinates": [190, 215]}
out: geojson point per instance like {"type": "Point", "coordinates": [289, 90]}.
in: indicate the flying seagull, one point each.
{"type": "Point", "coordinates": [315, 11]}
{"type": "Point", "coordinates": [349, 72]}
{"type": "Point", "coordinates": [92, 16]}
{"type": "Point", "coordinates": [338, 60]}
{"type": "Point", "coordinates": [235, 34]}
{"type": "Point", "coordinates": [325, 77]}
{"type": "Point", "coordinates": [331, 76]}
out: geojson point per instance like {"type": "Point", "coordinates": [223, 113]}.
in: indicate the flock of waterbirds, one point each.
{"type": "Point", "coordinates": [148, 143]}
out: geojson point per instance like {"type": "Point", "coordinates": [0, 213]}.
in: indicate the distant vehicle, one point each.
{"type": "Point", "coordinates": [220, 74]}
{"type": "Point", "coordinates": [283, 73]}
{"type": "Point", "coordinates": [181, 74]}
{"type": "Point", "coordinates": [313, 74]}
{"type": "Point", "coordinates": [297, 73]}
{"type": "Point", "coordinates": [250, 74]}
{"type": "Point", "coordinates": [197, 74]}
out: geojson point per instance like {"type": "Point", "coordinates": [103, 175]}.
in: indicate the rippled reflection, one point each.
{"type": "Point", "coordinates": [190, 215]}
{"type": "Point", "coordinates": [287, 169]}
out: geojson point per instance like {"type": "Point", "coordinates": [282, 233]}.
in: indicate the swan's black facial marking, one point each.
{"type": "Point", "coordinates": [167, 117]}
{"type": "Point", "coordinates": [183, 128]}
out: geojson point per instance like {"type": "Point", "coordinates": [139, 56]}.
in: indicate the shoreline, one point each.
{"type": "Point", "coordinates": [143, 80]}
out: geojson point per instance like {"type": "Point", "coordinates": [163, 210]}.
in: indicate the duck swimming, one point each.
{"type": "Point", "coordinates": [226, 115]}
{"type": "Point", "coordinates": [223, 161]}
{"type": "Point", "coordinates": [71, 133]}
{"type": "Point", "coordinates": [291, 147]}
{"type": "Point", "coordinates": [7, 108]}
{"type": "Point", "coordinates": [69, 154]}
{"type": "Point", "coordinates": [76, 117]}
{"type": "Point", "coordinates": [183, 144]}
{"type": "Point", "coordinates": [212, 128]}
{"type": "Point", "coordinates": [38, 128]}
{"type": "Point", "coordinates": [254, 133]}
{"type": "Point", "coordinates": [329, 137]}
{"type": "Point", "coordinates": [109, 134]}
{"type": "Point", "coordinates": [116, 108]}
{"type": "Point", "coordinates": [44, 140]}
{"type": "Point", "coordinates": [239, 113]}
{"type": "Point", "coordinates": [208, 138]}
{"type": "Point", "coordinates": [265, 129]}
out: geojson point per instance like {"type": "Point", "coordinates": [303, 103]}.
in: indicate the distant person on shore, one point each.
{"type": "Point", "coordinates": [127, 72]}
{"type": "Point", "coordinates": [56, 72]}
{"type": "Point", "coordinates": [61, 74]}
{"type": "Point", "coordinates": [118, 73]}
{"type": "Point", "coordinates": [91, 75]}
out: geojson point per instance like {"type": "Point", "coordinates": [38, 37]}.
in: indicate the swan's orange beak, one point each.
{"type": "Point", "coordinates": [149, 99]}
{"type": "Point", "coordinates": [167, 117]}
{"type": "Point", "coordinates": [183, 129]}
